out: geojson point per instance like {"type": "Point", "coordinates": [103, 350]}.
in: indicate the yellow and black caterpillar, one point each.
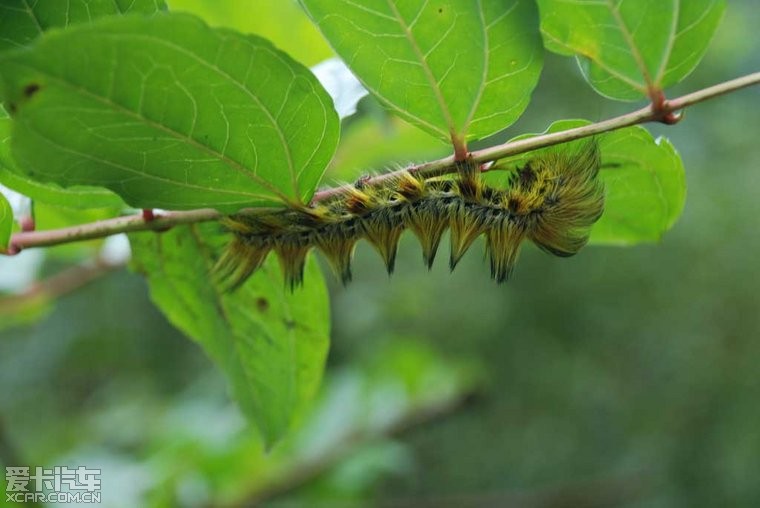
{"type": "Point", "coordinates": [553, 200]}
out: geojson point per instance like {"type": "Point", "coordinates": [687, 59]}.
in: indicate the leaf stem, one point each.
{"type": "Point", "coordinates": [165, 220]}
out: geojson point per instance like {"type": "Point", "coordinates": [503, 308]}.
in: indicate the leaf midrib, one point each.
{"type": "Point", "coordinates": [425, 68]}
{"type": "Point", "coordinates": [234, 81]}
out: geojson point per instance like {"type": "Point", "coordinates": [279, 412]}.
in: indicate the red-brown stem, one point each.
{"type": "Point", "coordinates": [148, 215]}
{"type": "Point", "coordinates": [661, 109]}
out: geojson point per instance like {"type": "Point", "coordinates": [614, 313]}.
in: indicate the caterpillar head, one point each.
{"type": "Point", "coordinates": [573, 199]}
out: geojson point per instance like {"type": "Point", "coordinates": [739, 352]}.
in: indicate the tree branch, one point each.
{"type": "Point", "coordinates": [301, 473]}
{"type": "Point", "coordinates": [661, 112]}
{"type": "Point", "coordinates": [643, 115]}
{"type": "Point", "coordinates": [108, 227]}
{"type": "Point", "coordinates": [62, 283]}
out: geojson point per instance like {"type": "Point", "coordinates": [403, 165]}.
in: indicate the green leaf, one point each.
{"type": "Point", "coordinates": [644, 180]}
{"type": "Point", "coordinates": [169, 113]}
{"type": "Point", "coordinates": [646, 187]}
{"type": "Point", "coordinates": [265, 19]}
{"type": "Point", "coordinates": [627, 50]}
{"type": "Point", "coordinates": [270, 343]}
{"type": "Point", "coordinates": [6, 222]}
{"type": "Point", "coordinates": [22, 21]}
{"type": "Point", "coordinates": [460, 69]}
{"type": "Point", "coordinates": [73, 197]}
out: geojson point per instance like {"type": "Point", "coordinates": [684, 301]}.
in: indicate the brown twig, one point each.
{"type": "Point", "coordinates": [308, 470]}
{"type": "Point", "coordinates": [643, 115]}
{"type": "Point", "coordinates": [62, 283]}
{"type": "Point", "coordinates": [664, 112]}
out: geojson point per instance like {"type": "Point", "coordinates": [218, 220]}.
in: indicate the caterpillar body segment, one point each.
{"type": "Point", "coordinates": [553, 200]}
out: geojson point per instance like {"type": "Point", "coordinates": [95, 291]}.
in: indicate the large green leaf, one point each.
{"type": "Point", "coordinates": [75, 197]}
{"type": "Point", "coordinates": [22, 21]}
{"type": "Point", "coordinates": [644, 180]}
{"type": "Point", "coordinates": [169, 113]}
{"type": "Point", "coordinates": [270, 343]}
{"type": "Point", "coordinates": [6, 222]}
{"type": "Point", "coordinates": [460, 69]}
{"type": "Point", "coordinates": [629, 49]}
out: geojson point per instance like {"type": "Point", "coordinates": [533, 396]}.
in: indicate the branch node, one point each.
{"type": "Point", "coordinates": [460, 148]}
{"type": "Point", "coordinates": [661, 108]}
{"type": "Point", "coordinates": [672, 118]}
{"type": "Point", "coordinates": [148, 215]}
{"type": "Point", "coordinates": [27, 223]}
{"type": "Point", "coordinates": [12, 250]}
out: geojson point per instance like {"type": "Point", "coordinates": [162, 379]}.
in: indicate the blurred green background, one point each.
{"type": "Point", "coordinates": [620, 377]}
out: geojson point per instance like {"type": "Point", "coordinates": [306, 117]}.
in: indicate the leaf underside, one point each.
{"type": "Point", "coordinates": [460, 70]}
{"type": "Point", "coordinates": [629, 49]}
{"type": "Point", "coordinates": [169, 113]}
{"type": "Point", "coordinates": [270, 343]}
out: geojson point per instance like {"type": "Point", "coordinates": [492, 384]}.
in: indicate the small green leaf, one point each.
{"type": "Point", "coordinates": [644, 180]}
{"type": "Point", "coordinates": [630, 49]}
{"type": "Point", "coordinates": [646, 187]}
{"type": "Point", "coordinates": [169, 113]}
{"type": "Point", "coordinates": [270, 343]}
{"type": "Point", "coordinates": [6, 222]}
{"type": "Point", "coordinates": [22, 21]}
{"type": "Point", "coordinates": [460, 69]}
{"type": "Point", "coordinates": [73, 197]}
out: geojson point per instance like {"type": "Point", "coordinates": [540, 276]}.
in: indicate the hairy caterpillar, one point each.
{"type": "Point", "coordinates": [552, 200]}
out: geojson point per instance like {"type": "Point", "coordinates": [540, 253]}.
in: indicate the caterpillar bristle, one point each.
{"type": "Point", "coordinates": [384, 232]}
{"type": "Point", "coordinates": [339, 251]}
{"type": "Point", "coordinates": [428, 223]}
{"type": "Point", "coordinates": [238, 262]}
{"type": "Point", "coordinates": [292, 257]}
{"type": "Point", "coordinates": [503, 242]}
{"type": "Point", "coordinates": [553, 200]}
{"type": "Point", "coordinates": [466, 225]}
{"type": "Point", "coordinates": [410, 188]}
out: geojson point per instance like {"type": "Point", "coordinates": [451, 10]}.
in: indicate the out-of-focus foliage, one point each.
{"type": "Point", "coordinates": [618, 377]}
{"type": "Point", "coordinates": [6, 222]}
{"type": "Point", "coordinates": [270, 342]}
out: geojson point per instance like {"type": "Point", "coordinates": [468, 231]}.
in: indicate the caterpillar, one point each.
{"type": "Point", "coordinates": [553, 199]}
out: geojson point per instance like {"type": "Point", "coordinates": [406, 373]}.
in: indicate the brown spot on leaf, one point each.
{"type": "Point", "coordinates": [262, 304]}
{"type": "Point", "coordinates": [31, 89]}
